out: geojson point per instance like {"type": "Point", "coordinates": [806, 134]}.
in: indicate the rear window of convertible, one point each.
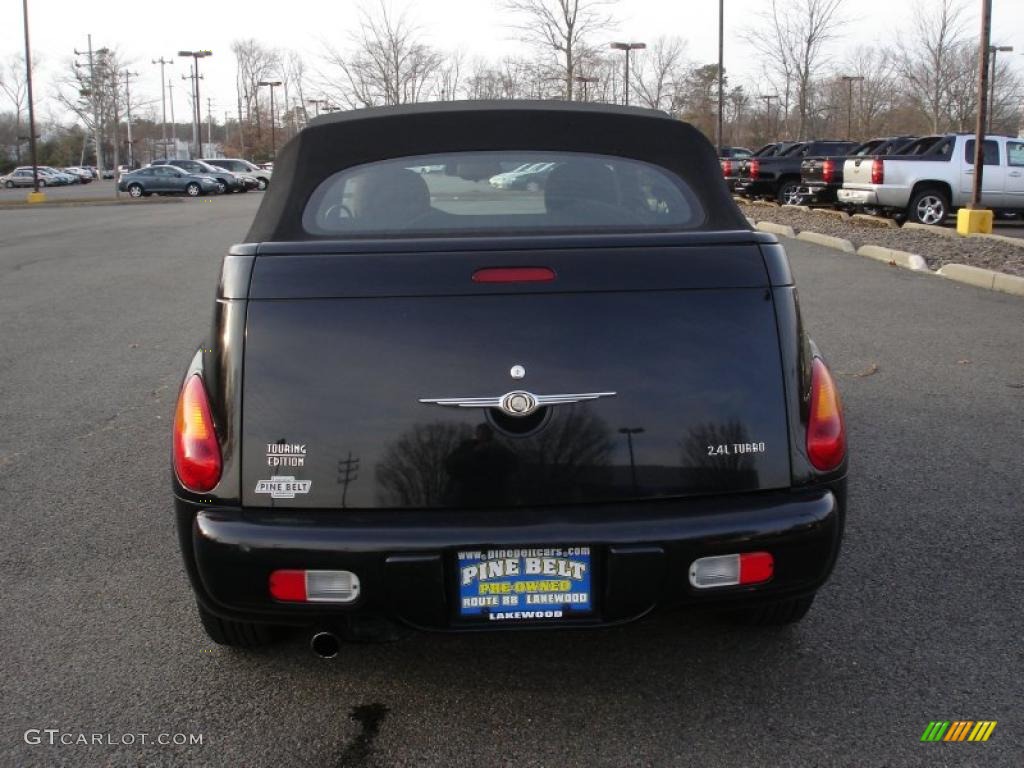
{"type": "Point", "coordinates": [501, 192]}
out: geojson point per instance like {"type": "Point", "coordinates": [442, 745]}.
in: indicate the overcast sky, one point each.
{"type": "Point", "coordinates": [146, 30]}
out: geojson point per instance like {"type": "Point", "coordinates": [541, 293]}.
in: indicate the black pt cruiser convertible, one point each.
{"type": "Point", "coordinates": [430, 401]}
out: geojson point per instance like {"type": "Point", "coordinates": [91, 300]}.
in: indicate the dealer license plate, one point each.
{"type": "Point", "coordinates": [525, 584]}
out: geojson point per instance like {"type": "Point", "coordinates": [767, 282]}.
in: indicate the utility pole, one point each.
{"type": "Point", "coordinates": [163, 98]}
{"type": "Point", "coordinates": [584, 81]}
{"type": "Point", "coordinates": [94, 94]}
{"type": "Point", "coordinates": [348, 472]}
{"type": "Point", "coordinates": [34, 196]}
{"type": "Point", "coordinates": [628, 48]}
{"type": "Point", "coordinates": [850, 80]}
{"type": "Point", "coordinates": [209, 124]}
{"type": "Point", "coordinates": [174, 124]}
{"type": "Point", "coordinates": [974, 218]}
{"type": "Point", "coordinates": [128, 105]}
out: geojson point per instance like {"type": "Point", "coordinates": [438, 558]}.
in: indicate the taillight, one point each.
{"type": "Point", "coordinates": [197, 461]}
{"type": "Point", "coordinates": [754, 168]}
{"type": "Point", "coordinates": [727, 167]}
{"type": "Point", "coordinates": [877, 171]}
{"type": "Point", "coordinates": [828, 171]}
{"type": "Point", "coordinates": [826, 431]}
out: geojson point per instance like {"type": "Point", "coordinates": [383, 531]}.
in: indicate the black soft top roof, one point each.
{"type": "Point", "coordinates": [340, 140]}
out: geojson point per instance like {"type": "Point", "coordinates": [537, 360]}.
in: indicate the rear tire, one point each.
{"type": "Point", "coordinates": [775, 614]}
{"type": "Point", "coordinates": [788, 194]}
{"type": "Point", "coordinates": [236, 634]}
{"type": "Point", "coordinates": [928, 206]}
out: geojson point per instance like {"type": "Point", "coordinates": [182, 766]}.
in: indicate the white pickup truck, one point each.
{"type": "Point", "coordinates": [934, 175]}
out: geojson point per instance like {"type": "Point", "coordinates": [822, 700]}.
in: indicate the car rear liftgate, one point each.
{"type": "Point", "coordinates": [375, 377]}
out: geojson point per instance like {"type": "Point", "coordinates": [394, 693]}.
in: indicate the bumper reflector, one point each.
{"type": "Point", "coordinates": [314, 586]}
{"type": "Point", "coordinates": [732, 570]}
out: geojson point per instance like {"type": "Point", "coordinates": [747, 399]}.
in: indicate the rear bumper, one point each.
{"type": "Point", "coordinates": [405, 560]}
{"type": "Point", "coordinates": [819, 193]}
{"type": "Point", "coordinates": [750, 188]}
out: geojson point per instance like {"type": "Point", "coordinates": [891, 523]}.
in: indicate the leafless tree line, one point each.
{"type": "Point", "coordinates": [925, 81]}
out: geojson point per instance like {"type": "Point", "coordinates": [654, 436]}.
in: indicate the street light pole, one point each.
{"type": "Point", "coordinates": [721, 75]}
{"type": "Point", "coordinates": [163, 99]}
{"type": "Point", "coordinates": [272, 84]}
{"type": "Point", "coordinates": [35, 196]}
{"type": "Point", "coordinates": [197, 104]}
{"type": "Point", "coordinates": [994, 49]}
{"type": "Point", "coordinates": [628, 48]}
{"type": "Point", "coordinates": [584, 81]}
{"type": "Point", "coordinates": [850, 80]}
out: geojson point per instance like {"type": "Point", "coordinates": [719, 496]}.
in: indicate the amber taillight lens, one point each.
{"type": "Point", "coordinates": [826, 430]}
{"type": "Point", "coordinates": [197, 461]}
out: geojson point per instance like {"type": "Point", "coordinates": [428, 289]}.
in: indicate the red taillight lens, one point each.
{"type": "Point", "coordinates": [288, 585]}
{"type": "Point", "coordinates": [514, 275]}
{"type": "Point", "coordinates": [754, 168]}
{"type": "Point", "coordinates": [877, 171]}
{"type": "Point", "coordinates": [826, 431]}
{"type": "Point", "coordinates": [756, 567]}
{"type": "Point", "coordinates": [828, 171]}
{"type": "Point", "coordinates": [197, 461]}
{"type": "Point", "coordinates": [727, 167]}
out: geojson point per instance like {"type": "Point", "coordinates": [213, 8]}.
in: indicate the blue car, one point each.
{"type": "Point", "coordinates": [166, 180]}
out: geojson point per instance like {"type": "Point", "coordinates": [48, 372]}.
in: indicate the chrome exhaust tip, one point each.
{"type": "Point", "coordinates": [325, 645]}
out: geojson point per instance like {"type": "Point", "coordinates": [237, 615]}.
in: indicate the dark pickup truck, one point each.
{"type": "Point", "coordinates": [470, 408]}
{"type": "Point", "coordinates": [778, 176]}
{"type": "Point", "coordinates": [822, 177]}
{"type": "Point", "coordinates": [731, 162]}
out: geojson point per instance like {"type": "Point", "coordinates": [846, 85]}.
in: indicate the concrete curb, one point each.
{"type": "Point", "coordinates": [874, 221]}
{"type": "Point", "coordinates": [776, 229]}
{"type": "Point", "coordinates": [21, 206]}
{"type": "Point", "coordinates": [766, 203]}
{"type": "Point", "coordinates": [804, 208]}
{"type": "Point", "coordinates": [827, 240]}
{"type": "Point", "coordinates": [984, 278]}
{"type": "Point", "coordinates": [903, 259]}
{"type": "Point", "coordinates": [931, 229]}
{"type": "Point", "coordinates": [1015, 241]}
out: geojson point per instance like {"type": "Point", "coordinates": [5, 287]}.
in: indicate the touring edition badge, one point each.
{"type": "Point", "coordinates": [283, 487]}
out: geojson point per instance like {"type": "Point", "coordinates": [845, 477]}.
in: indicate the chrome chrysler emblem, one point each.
{"type": "Point", "coordinates": [517, 403]}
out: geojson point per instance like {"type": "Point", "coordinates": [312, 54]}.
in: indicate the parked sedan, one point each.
{"type": "Point", "coordinates": [226, 180]}
{"type": "Point", "coordinates": [166, 180]}
{"type": "Point", "coordinates": [243, 168]}
{"type": "Point", "coordinates": [22, 177]}
{"type": "Point", "coordinates": [461, 414]}
{"type": "Point", "coordinates": [531, 178]}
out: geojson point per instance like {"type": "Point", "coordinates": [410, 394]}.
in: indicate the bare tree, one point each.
{"type": "Point", "coordinates": [791, 36]}
{"type": "Point", "coordinates": [390, 64]}
{"type": "Point", "coordinates": [449, 76]}
{"type": "Point", "coordinates": [13, 85]}
{"type": "Point", "coordinates": [928, 56]}
{"type": "Point", "coordinates": [567, 27]}
{"type": "Point", "coordinates": [255, 62]}
{"type": "Point", "coordinates": [658, 73]}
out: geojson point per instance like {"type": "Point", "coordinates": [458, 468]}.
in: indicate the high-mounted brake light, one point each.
{"type": "Point", "coordinates": [755, 168]}
{"type": "Point", "coordinates": [514, 275]}
{"type": "Point", "coordinates": [727, 167]}
{"type": "Point", "coordinates": [828, 171]}
{"type": "Point", "coordinates": [878, 171]}
{"type": "Point", "coordinates": [826, 430]}
{"type": "Point", "coordinates": [197, 461]}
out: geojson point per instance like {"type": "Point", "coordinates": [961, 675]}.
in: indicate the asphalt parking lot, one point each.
{"type": "Point", "coordinates": [101, 308]}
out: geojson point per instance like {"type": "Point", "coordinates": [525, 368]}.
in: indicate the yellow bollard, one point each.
{"type": "Point", "coordinates": [36, 197]}
{"type": "Point", "coordinates": [970, 221]}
